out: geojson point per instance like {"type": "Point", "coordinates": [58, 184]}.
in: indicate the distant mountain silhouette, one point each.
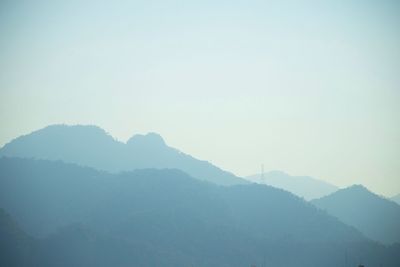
{"type": "Point", "coordinates": [303, 186]}
{"type": "Point", "coordinates": [92, 146]}
{"type": "Point", "coordinates": [375, 216]}
{"type": "Point", "coordinates": [77, 245]}
{"type": "Point", "coordinates": [62, 194]}
{"type": "Point", "coordinates": [84, 217]}
{"type": "Point", "coordinates": [396, 199]}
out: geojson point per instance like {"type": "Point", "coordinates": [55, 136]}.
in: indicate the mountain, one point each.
{"type": "Point", "coordinates": [75, 245]}
{"type": "Point", "coordinates": [375, 216]}
{"type": "Point", "coordinates": [396, 199]}
{"type": "Point", "coordinates": [84, 217]}
{"type": "Point", "coordinates": [78, 245]}
{"type": "Point", "coordinates": [92, 146]}
{"type": "Point", "coordinates": [44, 196]}
{"type": "Point", "coordinates": [15, 245]}
{"type": "Point", "coordinates": [303, 186]}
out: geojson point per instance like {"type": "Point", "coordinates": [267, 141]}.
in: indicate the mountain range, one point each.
{"type": "Point", "coordinates": [303, 186]}
{"type": "Point", "coordinates": [69, 215]}
{"type": "Point", "coordinates": [75, 196]}
{"type": "Point", "coordinates": [91, 146]}
{"type": "Point", "coordinates": [376, 217]}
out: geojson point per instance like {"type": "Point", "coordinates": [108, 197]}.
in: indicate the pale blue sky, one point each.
{"type": "Point", "coordinates": [308, 87]}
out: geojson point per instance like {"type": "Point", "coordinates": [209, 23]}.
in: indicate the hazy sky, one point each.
{"type": "Point", "coordinates": [308, 87]}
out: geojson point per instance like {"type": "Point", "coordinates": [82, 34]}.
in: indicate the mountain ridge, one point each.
{"type": "Point", "coordinates": [87, 189]}
{"type": "Point", "coordinates": [375, 216]}
{"type": "Point", "coordinates": [94, 147]}
{"type": "Point", "coordinates": [89, 217]}
{"type": "Point", "coordinates": [304, 186]}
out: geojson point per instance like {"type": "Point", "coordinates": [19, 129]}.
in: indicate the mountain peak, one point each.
{"type": "Point", "coordinates": [93, 147]}
{"type": "Point", "coordinates": [70, 131]}
{"type": "Point", "coordinates": [150, 139]}
{"type": "Point", "coordinates": [76, 127]}
{"type": "Point", "coordinates": [357, 188]}
{"type": "Point", "coordinates": [372, 214]}
{"type": "Point", "coordinates": [356, 191]}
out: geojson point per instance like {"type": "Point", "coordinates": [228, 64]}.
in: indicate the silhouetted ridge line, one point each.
{"type": "Point", "coordinates": [303, 186]}
{"type": "Point", "coordinates": [92, 146]}
{"type": "Point", "coordinates": [376, 217]}
{"type": "Point", "coordinates": [154, 217]}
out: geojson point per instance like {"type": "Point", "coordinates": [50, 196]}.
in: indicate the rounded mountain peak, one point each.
{"type": "Point", "coordinates": [150, 140]}
{"type": "Point", "coordinates": [357, 188]}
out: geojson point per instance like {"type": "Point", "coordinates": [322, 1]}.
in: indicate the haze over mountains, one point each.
{"type": "Point", "coordinates": [74, 196]}
{"type": "Point", "coordinates": [79, 216]}
{"type": "Point", "coordinates": [303, 186]}
{"type": "Point", "coordinates": [92, 146]}
{"type": "Point", "coordinates": [375, 216]}
{"type": "Point", "coordinates": [63, 194]}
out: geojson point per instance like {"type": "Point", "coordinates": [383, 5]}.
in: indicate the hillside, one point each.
{"type": "Point", "coordinates": [375, 216]}
{"type": "Point", "coordinates": [16, 247]}
{"type": "Point", "coordinates": [94, 217]}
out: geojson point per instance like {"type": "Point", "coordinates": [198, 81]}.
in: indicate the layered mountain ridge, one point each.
{"type": "Point", "coordinates": [75, 196]}
{"type": "Point", "coordinates": [303, 186]}
{"type": "Point", "coordinates": [91, 146]}
{"type": "Point", "coordinates": [80, 216]}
